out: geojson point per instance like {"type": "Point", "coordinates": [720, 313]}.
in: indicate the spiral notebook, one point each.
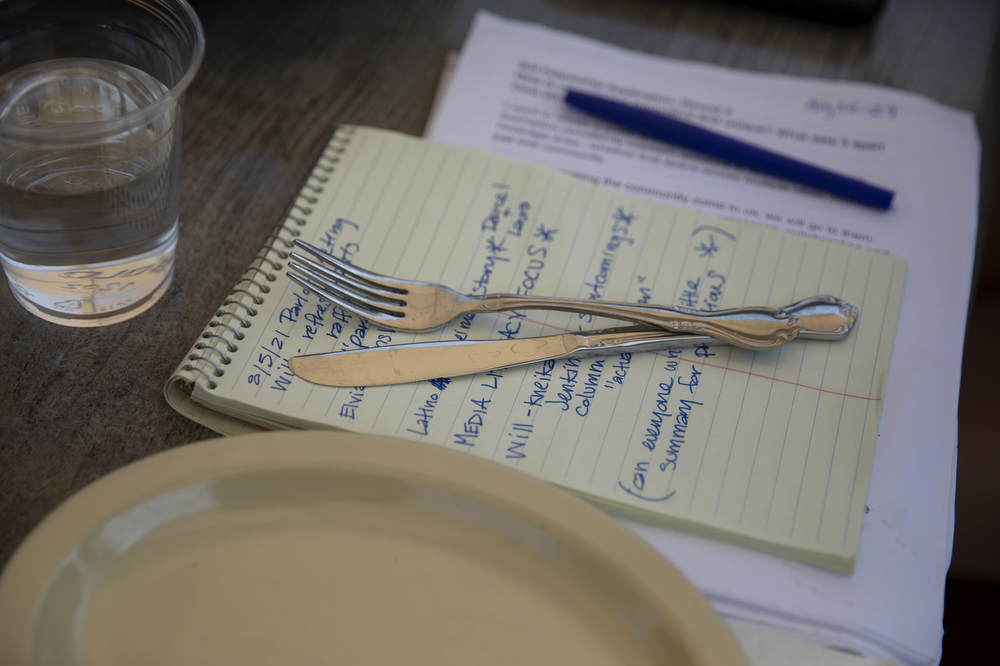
{"type": "Point", "coordinates": [770, 450]}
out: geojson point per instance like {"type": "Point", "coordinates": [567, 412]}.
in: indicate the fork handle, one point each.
{"type": "Point", "coordinates": [755, 328]}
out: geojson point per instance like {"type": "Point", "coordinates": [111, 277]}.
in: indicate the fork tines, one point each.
{"type": "Point", "coordinates": [353, 289]}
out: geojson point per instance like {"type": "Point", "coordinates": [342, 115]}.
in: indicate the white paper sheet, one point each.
{"type": "Point", "coordinates": [505, 96]}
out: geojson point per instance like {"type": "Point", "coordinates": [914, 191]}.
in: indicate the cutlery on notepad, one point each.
{"type": "Point", "coordinates": [408, 305]}
{"type": "Point", "coordinates": [823, 318]}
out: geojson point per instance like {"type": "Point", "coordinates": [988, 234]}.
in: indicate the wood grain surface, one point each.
{"type": "Point", "coordinates": [277, 78]}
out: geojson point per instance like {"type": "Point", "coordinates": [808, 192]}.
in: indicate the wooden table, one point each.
{"type": "Point", "coordinates": [76, 404]}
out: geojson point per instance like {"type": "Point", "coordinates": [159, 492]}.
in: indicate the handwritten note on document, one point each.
{"type": "Point", "coordinates": [771, 450]}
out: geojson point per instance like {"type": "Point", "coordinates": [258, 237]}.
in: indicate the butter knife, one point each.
{"type": "Point", "coordinates": [823, 318]}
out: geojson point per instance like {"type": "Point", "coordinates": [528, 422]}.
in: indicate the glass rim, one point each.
{"type": "Point", "coordinates": [102, 129]}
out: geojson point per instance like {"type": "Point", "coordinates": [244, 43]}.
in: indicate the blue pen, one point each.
{"type": "Point", "coordinates": [700, 140]}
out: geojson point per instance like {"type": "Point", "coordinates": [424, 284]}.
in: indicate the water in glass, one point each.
{"type": "Point", "coordinates": [88, 227]}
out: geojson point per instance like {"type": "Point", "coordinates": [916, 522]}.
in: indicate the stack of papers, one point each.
{"type": "Point", "coordinates": [505, 96]}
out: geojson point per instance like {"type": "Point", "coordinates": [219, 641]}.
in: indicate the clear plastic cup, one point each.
{"type": "Point", "coordinates": [91, 99]}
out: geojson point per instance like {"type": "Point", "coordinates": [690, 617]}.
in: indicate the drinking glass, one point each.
{"type": "Point", "coordinates": [91, 95]}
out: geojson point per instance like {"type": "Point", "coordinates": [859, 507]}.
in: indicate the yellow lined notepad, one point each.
{"type": "Point", "coordinates": [771, 450]}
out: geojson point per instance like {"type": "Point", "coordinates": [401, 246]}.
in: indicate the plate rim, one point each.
{"type": "Point", "coordinates": [706, 637]}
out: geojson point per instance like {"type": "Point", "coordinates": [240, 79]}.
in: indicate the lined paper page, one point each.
{"type": "Point", "coordinates": [771, 449]}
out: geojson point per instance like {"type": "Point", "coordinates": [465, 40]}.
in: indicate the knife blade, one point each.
{"type": "Point", "coordinates": [823, 318]}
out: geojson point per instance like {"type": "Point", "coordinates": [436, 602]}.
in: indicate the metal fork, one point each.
{"type": "Point", "coordinates": [407, 305]}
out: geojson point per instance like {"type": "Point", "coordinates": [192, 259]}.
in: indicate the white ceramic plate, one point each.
{"type": "Point", "coordinates": [324, 548]}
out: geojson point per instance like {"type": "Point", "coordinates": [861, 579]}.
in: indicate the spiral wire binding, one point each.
{"type": "Point", "coordinates": [230, 321]}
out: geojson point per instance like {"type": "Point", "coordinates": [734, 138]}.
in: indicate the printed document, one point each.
{"type": "Point", "coordinates": [506, 97]}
